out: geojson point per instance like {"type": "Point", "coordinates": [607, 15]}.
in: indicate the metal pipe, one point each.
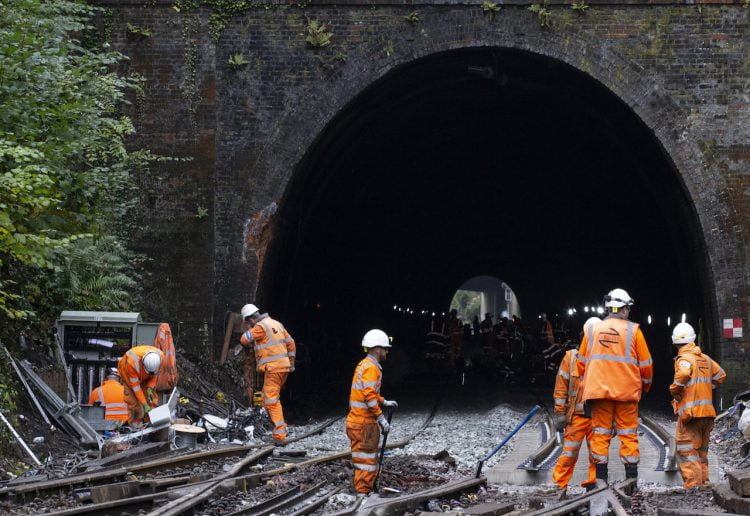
{"type": "Point", "coordinates": [507, 438]}
{"type": "Point", "coordinates": [27, 387]}
{"type": "Point", "coordinates": [91, 379]}
{"type": "Point", "coordinates": [79, 378]}
{"type": "Point", "coordinates": [21, 441]}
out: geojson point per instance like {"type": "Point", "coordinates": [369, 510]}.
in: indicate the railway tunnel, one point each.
{"type": "Point", "coordinates": [482, 161]}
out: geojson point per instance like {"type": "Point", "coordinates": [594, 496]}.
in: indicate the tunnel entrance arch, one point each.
{"type": "Point", "coordinates": [492, 159]}
{"type": "Point", "coordinates": [483, 295]}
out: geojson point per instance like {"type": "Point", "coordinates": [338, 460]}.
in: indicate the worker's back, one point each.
{"type": "Point", "coordinates": [112, 397]}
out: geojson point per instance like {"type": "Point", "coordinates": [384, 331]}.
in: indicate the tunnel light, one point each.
{"type": "Point", "coordinates": [395, 307]}
{"type": "Point", "coordinates": [585, 308]}
{"type": "Point", "coordinates": [433, 314]}
{"type": "Point", "coordinates": [575, 311]}
{"type": "Point", "coordinates": [649, 319]}
{"type": "Point", "coordinates": [669, 321]}
{"type": "Point", "coordinates": [684, 316]}
{"type": "Point", "coordinates": [570, 311]}
{"type": "Point", "coordinates": [599, 310]}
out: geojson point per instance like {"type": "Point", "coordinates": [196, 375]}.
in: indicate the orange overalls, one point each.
{"type": "Point", "coordinates": [695, 377]}
{"type": "Point", "coordinates": [618, 368]}
{"type": "Point", "coordinates": [111, 396]}
{"type": "Point", "coordinates": [361, 422]}
{"type": "Point", "coordinates": [456, 335]}
{"type": "Point", "coordinates": [275, 352]}
{"type": "Point", "coordinates": [168, 376]}
{"type": "Point", "coordinates": [136, 380]}
{"type": "Point", "coordinates": [547, 333]}
{"type": "Point", "coordinates": [568, 401]}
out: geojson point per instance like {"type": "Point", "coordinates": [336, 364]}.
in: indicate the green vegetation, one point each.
{"type": "Point", "coordinates": [468, 303]}
{"type": "Point", "coordinates": [490, 9]}
{"type": "Point", "coordinates": [542, 12]}
{"type": "Point", "coordinates": [67, 190]}
{"type": "Point", "coordinates": [580, 7]}
{"type": "Point", "coordinates": [412, 17]}
{"type": "Point", "coordinates": [318, 35]}
{"type": "Point", "coordinates": [238, 60]}
{"type": "Point", "coordinates": [137, 30]}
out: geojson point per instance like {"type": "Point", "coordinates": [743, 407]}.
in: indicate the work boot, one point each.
{"type": "Point", "coordinates": [602, 473]}
{"type": "Point", "coordinates": [631, 471]}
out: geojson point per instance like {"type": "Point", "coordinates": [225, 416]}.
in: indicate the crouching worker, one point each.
{"type": "Point", "coordinates": [138, 369]}
{"type": "Point", "coordinates": [569, 417]}
{"type": "Point", "coordinates": [695, 377]}
{"type": "Point", "coordinates": [111, 396]}
{"type": "Point", "coordinates": [365, 420]}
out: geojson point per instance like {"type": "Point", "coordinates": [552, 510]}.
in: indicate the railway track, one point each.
{"type": "Point", "coordinates": [550, 448]}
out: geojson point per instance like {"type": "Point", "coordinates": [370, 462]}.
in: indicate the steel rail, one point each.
{"type": "Point", "coordinates": [666, 440]}
{"type": "Point", "coordinates": [410, 502]}
{"type": "Point", "coordinates": [281, 502]}
{"type": "Point", "coordinates": [48, 487]}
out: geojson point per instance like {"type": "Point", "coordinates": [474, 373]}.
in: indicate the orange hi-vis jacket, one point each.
{"type": "Point", "coordinates": [616, 360]}
{"type": "Point", "coordinates": [365, 398]}
{"type": "Point", "coordinates": [111, 396]}
{"type": "Point", "coordinates": [568, 391]}
{"type": "Point", "coordinates": [168, 376]}
{"type": "Point", "coordinates": [134, 374]}
{"type": "Point", "coordinates": [696, 375]}
{"type": "Point", "coordinates": [274, 347]}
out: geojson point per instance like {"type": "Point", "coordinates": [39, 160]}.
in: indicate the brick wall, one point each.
{"type": "Point", "coordinates": [683, 69]}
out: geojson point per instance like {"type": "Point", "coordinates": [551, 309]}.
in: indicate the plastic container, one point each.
{"type": "Point", "coordinates": [160, 416]}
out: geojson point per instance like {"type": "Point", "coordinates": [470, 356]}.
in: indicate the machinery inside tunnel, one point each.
{"type": "Point", "coordinates": [482, 161]}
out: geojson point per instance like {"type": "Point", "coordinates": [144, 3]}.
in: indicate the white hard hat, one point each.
{"type": "Point", "coordinates": [590, 321]}
{"type": "Point", "coordinates": [248, 310]}
{"type": "Point", "coordinates": [151, 362]}
{"type": "Point", "coordinates": [112, 373]}
{"type": "Point", "coordinates": [683, 333]}
{"type": "Point", "coordinates": [375, 338]}
{"type": "Point", "coordinates": [618, 298]}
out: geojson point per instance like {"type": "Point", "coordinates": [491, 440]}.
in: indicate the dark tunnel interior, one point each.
{"type": "Point", "coordinates": [481, 161]}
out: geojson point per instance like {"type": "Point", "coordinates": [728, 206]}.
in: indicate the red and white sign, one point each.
{"type": "Point", "coordinates": [732, 328]}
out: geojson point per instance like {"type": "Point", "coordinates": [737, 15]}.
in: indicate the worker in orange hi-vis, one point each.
{"type": "Point", "coordinates": [138, 368]}
{"type": "Point", "coordinates": [168, 376]}
{"type": "Point", "coordinates": [365, 420]}
{"type": "Point", "coordinates": [569, 417]}
{"type": "Point", "coordinates": [275, 353]}
{"type": "Point", "coordinates": [695, 377]}
{"type": "Point", "coordinates": [618, 369]}
{"type": "Point", "coordinates": [546, 332]}
{"type": "Point", "coordinates": [111, 396]}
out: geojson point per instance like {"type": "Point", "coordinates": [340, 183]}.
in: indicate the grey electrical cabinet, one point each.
{"type": "Point", "coordinates": [94, 341]}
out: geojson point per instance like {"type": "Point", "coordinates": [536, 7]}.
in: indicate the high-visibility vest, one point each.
{"type": "Point", "coordinates": [111, 396]}
{"type": "Point", "coordinates": [568, 392]}
{"type": "Point", "coordinates": [364, 397]}
{"type": "Point", "coordinates": [274, 347]}
{"type": "Point", "coordinates": [617, 362]}
{"type": "Point", "coordinates": [134, 375]}
{"type": "Point", "coordinates": [168, 376]}
{"type": "Point", "coordinates": [695, 377]}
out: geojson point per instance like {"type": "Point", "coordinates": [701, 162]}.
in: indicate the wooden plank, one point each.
{"type": "Point", "coordinates": [662, 511]}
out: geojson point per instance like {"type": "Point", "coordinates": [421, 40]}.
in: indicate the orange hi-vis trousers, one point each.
{"type": "Point", "coordinates": [135, 409]}
{"type": "Point", "coordinates": [364, 438]}
{"type": "Point", "coordinates": [578, 429]}
{"type": "Point", "coordinates": [692, 450]}
{"type": "Point", "coordinates": [624, 415]}
{"type": "Point", "coordinates": [273, 381]}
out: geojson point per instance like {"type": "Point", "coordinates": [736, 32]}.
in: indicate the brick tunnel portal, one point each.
{"type": "Point", "coordinates": [482, 161]}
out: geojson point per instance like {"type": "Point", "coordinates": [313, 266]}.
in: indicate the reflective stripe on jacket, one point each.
{"type": "Point", "coordinates": [365, 398]}
{"type": "Point", "coordinates": [617, 362]}
{"type": "Point", "coordinates": [567, 392]}
{"type": "Point", "coordinates": [695, 377]}
{"type": "Point", "coordinates": [111, 396]}
{"type": "Point", "coordinates": [133, 374]}
{"type": "Point", "coordinates": [274, 347]}
{"type": "Point", "coordinates": [168, 376]}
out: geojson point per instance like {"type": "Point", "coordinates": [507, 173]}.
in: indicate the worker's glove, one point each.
{"type": "Point", "coordinates": [237, 349]}
{"type": "Point", "coordinates": [384, 426]}
{"type": "Point", "coordinates": [150, 393]}
{"type": "Point", "coordinates": [291, 366]}
{"type": "Point", "coordinates": [390, 404]}
{"type": "Point", "coordinates": [146, 408]}
{"type": "Point", "coordinates": [560, 421]}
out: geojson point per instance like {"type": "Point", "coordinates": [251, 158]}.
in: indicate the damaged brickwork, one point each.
{"type": "Point", "coordinates": [683, 69]}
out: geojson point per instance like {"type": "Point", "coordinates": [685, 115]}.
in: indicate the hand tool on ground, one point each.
{"type": "Point", "coordinates": [507, 438]}
{"type": "Point", "coordinates": [551, 417]}
{"type": "Point", "coordinates": [382, 452]}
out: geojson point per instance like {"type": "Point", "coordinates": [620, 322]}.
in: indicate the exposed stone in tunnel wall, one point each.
{"type": "Point", "coordinates": [683, 70]}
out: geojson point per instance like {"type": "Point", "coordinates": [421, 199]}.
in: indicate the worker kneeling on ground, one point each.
{"type": "Point", "coordinates": [618, 369]}
{"type": "Point", "coordinates": [111, 396]}
{"type": "Point", "coordinates": [365, 420]}
{"type": "Point", "coordinates": [569, 417]}
{"type": "Point", "coordinates": [695, 377]}
{"type": "Point", "coordinates": [138, 369]}
{"type": "Point", "coordinates": [275, 352]}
